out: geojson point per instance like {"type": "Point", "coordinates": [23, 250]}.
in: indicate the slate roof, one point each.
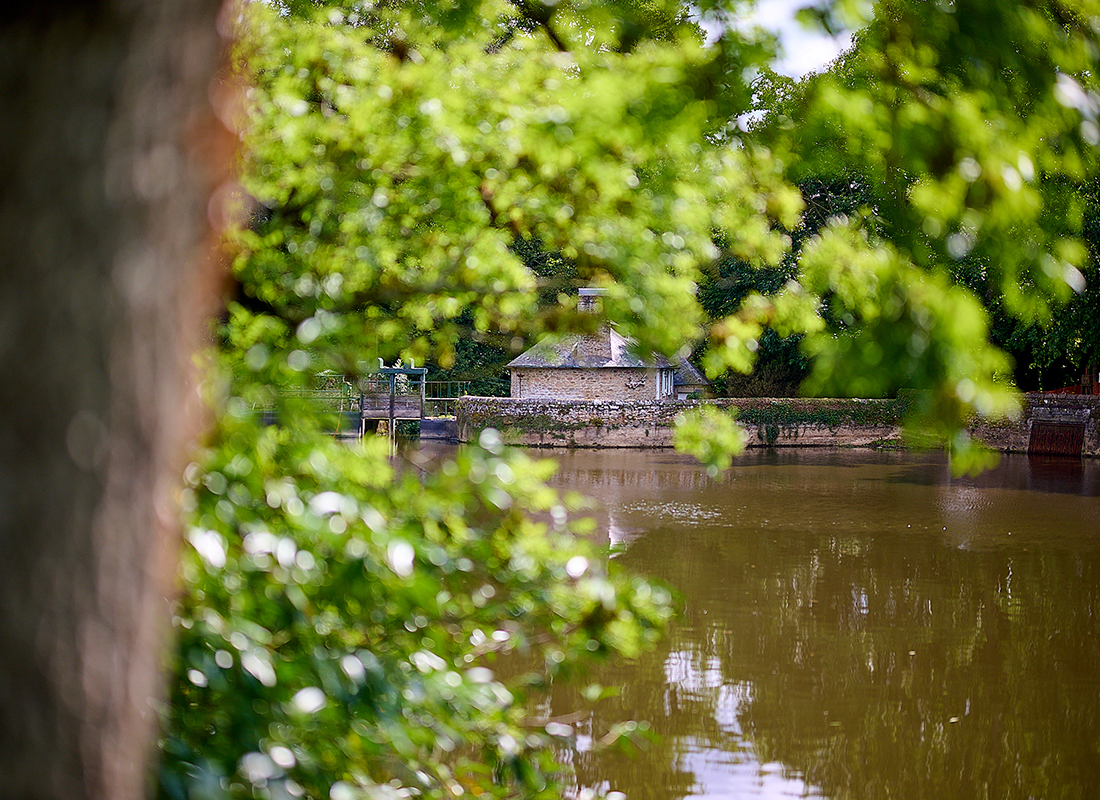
{"type": "Point", "coordinates": [688, 375]}
{"type": "Point", "coordinates": [605, 349]}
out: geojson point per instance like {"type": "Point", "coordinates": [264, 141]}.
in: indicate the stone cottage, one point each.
{"type": "Point", "coordinates": [595, 366]}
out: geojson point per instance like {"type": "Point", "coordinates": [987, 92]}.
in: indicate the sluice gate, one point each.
{"type": "Point", "coordinates": [1056, 439]}
{"type": "Point", "coordinates": [1057, 432]}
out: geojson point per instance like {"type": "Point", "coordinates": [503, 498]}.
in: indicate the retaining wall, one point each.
{"type": "Point", "coordinates": [778, 422]}
{"type": "Point", "coordinates": [1012, 437]}
{"type": "Point", "coordinates": [603, 423]}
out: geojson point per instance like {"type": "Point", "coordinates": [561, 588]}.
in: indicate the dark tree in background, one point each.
{"type": "Point", "coordinates": [110, 149]}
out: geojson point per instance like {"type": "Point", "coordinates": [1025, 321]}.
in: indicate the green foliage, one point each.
{"type": "Point", "coordinates": [343, 616]}
{"type": "Point", "coordinates": [481, 356]}
{"type": "Point", "coordinates": [970, 147]}
{"type": "Point", "coordinates": [1050, 354]}
{"type": "Point", "coordinates": [423, 178]}
{"type": "Point", "coordinates": [711, 435]}
{"type": "Point", "coordinates": [416, 228]}
{"type": "Point", "coordinates": [831, 413]}
{"type": "Point", "coordinates": [774, 365]}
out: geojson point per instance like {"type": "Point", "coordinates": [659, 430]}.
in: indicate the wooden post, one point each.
{"type": "Point", "coordinates": [393, 427]}
{"type": "Point", "coordinates": [362, 419]}
{"type": "Point", "coordinates": [423, 389]}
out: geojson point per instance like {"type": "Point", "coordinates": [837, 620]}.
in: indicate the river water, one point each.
{"type": "Point", "coordinates": [854, 625]}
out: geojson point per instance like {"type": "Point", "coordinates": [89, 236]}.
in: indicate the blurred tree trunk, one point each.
{"type": "Point", "coordinates": [104, 122]}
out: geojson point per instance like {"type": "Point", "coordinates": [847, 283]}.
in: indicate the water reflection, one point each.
{"type": "Point", "coordinates": [855, 625]}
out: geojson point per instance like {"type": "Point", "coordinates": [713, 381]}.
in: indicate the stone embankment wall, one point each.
{"type": "Point", "coordinates": [1073, 409]}
{"type": "Point", "coordinates": [603, 423]}
{"type": "Point", "coordinates": [786, 422]}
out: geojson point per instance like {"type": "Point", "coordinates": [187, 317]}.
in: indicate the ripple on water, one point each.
{"type": "Point", "coordinates": [679, 512]}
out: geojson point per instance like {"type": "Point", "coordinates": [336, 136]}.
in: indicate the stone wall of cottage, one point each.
{"type": "Point", "coordinates": [786, 422]}
{"type": "Point", "coordinates": [621, 383]}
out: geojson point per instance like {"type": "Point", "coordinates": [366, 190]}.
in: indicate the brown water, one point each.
{"type": "Point", "coordinates": [855, 625]}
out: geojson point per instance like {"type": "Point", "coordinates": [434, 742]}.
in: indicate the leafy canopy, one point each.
{"type": "Point", "coordinates": [354, 627]}
{"type": "Point", "coordinates": [974, 128]}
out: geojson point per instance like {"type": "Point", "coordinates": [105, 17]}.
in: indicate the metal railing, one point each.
{"type": "Point", "coordinates": [330, 391]}
{"type": "Point", "coordinates": [338, 393]}
{"type": "Point", "coordinates": [440, 397]}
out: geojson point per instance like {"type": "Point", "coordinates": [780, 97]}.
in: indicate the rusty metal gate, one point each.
{"type": "Point", "coordinates": [1056, 438]}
